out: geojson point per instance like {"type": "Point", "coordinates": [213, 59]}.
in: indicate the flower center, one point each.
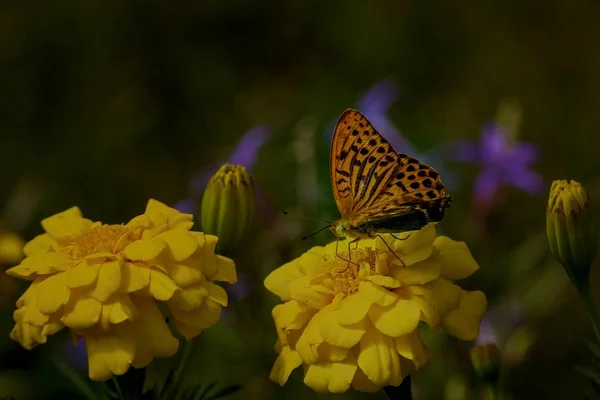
{"type": "Point", "coordinates": [345, 277]}
{"type": "Point", "coordinates": [100, 239]}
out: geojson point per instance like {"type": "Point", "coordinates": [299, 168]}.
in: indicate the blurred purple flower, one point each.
{"type": "Point", "coordinates": [75, 354]}
{"type": "Point", "coordinates": [503, 162]}
{"type": "Point", "coordinates": [245, 154]}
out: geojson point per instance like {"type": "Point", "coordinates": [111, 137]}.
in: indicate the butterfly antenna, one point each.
{"type": "Point", "coordinates": [309, 218]}
{"type": "Point", "coordinates": [319, 231]}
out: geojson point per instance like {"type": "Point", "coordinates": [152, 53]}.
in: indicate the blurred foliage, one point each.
{"type": "Point", "coordinates": [106, 104]}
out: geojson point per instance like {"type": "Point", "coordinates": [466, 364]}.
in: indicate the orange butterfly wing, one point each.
{"type": "Point", "coordinates": [371, 181]}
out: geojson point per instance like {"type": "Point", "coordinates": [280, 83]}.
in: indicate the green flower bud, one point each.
{"type": "Point", "coordinates": [228, 206]}
{"type": "Point", "coordinates": [571, 230]}
{"type": "Point", "coordinates": [485, 359]}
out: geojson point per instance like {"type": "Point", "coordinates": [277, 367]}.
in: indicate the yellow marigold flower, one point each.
{"type": "Point", "coordinates": [102, 281]}
{"type": "Point", "coordinates": [357, 326]}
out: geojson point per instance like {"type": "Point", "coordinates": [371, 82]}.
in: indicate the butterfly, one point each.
{"type": "Point", "coordinates": [377, 190]}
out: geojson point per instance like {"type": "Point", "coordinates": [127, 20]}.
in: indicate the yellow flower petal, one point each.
{"type": "Point", "coordinates": [65, 224]}
{"type": "Point", "coordinates": [39, 244]}
{"type": "Point", "coordinates": [191, 323]}
{"type": "Point", "coordinates": [417, 247]}
{"type": "Point", "coordinates": [108, 282]}
{"type": "Point", "coordinates": [122, 310]}
{"type": "Point", "coordinates": [303, 292]}
{"type": "Point", "coordinates": [278, 281]}
{"type": "Point", "coordinates": [53, 294]}
{"type": "Point", "coordinates": [311, 337]}
{"type": "Point", "coordinates": [330, 377]}
{"type": "Point", "coordinates": [362, 383]}
{"type": "Point", "coordinates": [81, 313]}
{"type": "Point", "coordinates": [189, 298]}
{"type": "Point", "coordinates": [292, 315]}
{"type": "Point", "coordinates": [354, 308]}
{"type": "Point", "coordinates": [180, 243]}
{"type": "Point", "coordinates": [455, 258]}
{"type": "Point", "coordinates": [83, 274]}
{"type": "Point", "coordinates": [376, 294]}
{"type": "Point", "coordinates": [397, 319]}
{"type": "Point", "coordinates": [464, 321]}
{"type": "Point", "coordinates": [217, 293]}
{"type": "Point", "coordinates": [342, 336]}
{"type": "Point", "coordinates": [144, 249]}
{"type": "Point", "coordinates": [378, 359]}
{"type": "Point", "coordinates": [161, 287]}
{"type": "Point", "coordinates": [152, 335]}
{"type": "Point", "coordinates": [286, 362]}
{"type": "Point", "coordinates": [110, 354]}
{"type": "Point", "coordinates": [419, 273]}
{"type": "Point", "coordinates": [135, 277]}
{"type": "Point", "coordinates": [186, 273]}
{"type": "Point", "coordinates": [40, 263]}
{"type": "Point", "coordinates": [225, 270]}
{"type": "Point", "coordinates": [411, 347]}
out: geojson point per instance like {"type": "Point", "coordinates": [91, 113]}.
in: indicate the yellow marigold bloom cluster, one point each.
{"type": "Point", "coordinates": [350, 325]}
{"type": "Point", "coordinates": [103, 281]}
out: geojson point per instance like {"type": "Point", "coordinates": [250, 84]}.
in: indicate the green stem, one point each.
{"type": "Point", "coordinates": [117, 387]}
{"type": "Point", "coordinates": [586, 295]}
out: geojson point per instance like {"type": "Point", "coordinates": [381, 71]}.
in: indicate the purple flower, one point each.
{"type": "Point", "coordinates": [245, 154]}
{"type": "Point", "coordinates": [503, 162]}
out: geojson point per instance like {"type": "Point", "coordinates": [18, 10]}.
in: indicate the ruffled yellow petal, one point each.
{"type": "Point", "coordinates": [66, 224]}
{"type": "Point", "coordinates": [135, 276]}
{"type": "Point", "coordinates": [341, 336]}
{"type": "Point", "coordinates": [110, 353]}
{"type": "Point", "coordinates": [419, 273]}
{"type": "Point", "coordinates": [464, 321]}
{"type": "Point", "coordinates": [311, 337]}
{"type": "Point", "coordinates": [52, 294]}
{"type": "Point", "coordinates": [225, 270]}
{"type": "Point", "coordinates": [191, 323]}
{"type": "Point", "coordinates": [354, 308]}
{"type": "Point", "coordinates": [411, 347]}
{"type": "Point", "coordinates": [292, 315]}
{"type": "Point", "coordinates": [455, 258]}
{"type": "Point", "coordinates": [39, 244]}
{"type": "Point", "coordinates": [108, 282]}
{"type": "Point", "coordinates": [378, 359]}
{"type": "Point", "coordinates": [180, 243]}
{"type": "Point", "coordinates": [279, 280]}
{"type": "Point", "coordinates": [81, 313]}
{"type": "Point", "coordinates": [190, 298]}
{"type": "Point", "coordinates": [161, 287]}
{"type": "Point", "coordinates": [144, 250]}
{"type": "Point", "coordinates": [397, 319]}
{"type": "Point", "coordinates": [186, 273]}
{"type": "Point", "coordinates": [330, 377]}
{"type": "Point", "coordinates": [83, 274]}
{"type": "Point", "coordinates": [303, 292]}
{"type": "Point", "coordinates": [152, 335]}
{"type": "Point", "coordinates": [40, 263]}
{"type": "Point", "coordinates": [286, 362]}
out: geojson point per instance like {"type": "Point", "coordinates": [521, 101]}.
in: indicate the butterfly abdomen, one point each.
{"type": "Point", "coordinates": [417, 218]}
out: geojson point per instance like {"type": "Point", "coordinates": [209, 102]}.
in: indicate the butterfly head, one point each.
{"type": "Point", "coordinates": [340, 227]}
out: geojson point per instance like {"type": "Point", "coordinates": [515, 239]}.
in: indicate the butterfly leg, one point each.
{"type": "Point", "coordinates": [397, 238]}
{"type": "Point", "coordinates": [349, 255]}
{"type": "Point", "coordinates": [388, 246]}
